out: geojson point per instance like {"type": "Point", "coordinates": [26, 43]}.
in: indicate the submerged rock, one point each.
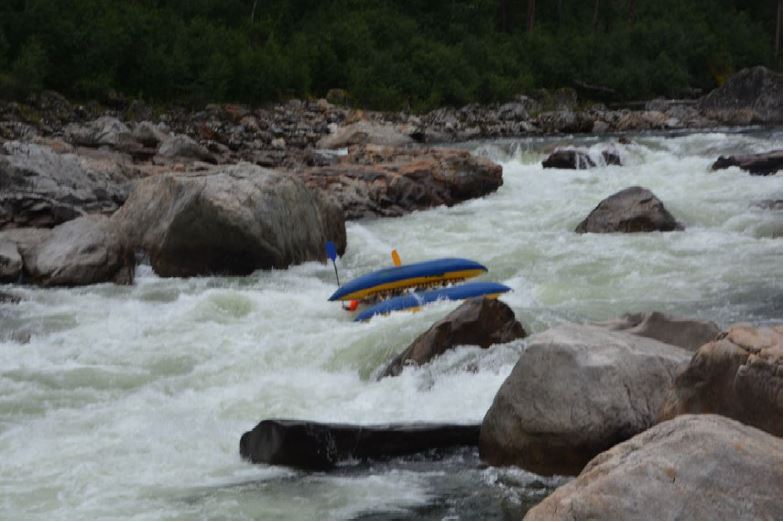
{"type": "Point", "coordinates": [576, 159]}
{"type": "Point", "coordinates": [10, 262]}
{"type": "Point", "coordinates": [634, 209]}
{"type": "Point", "coordinates": [751, 95]}
{"type": "Point", "coordinates": [757, 164]}
{"type": "Point", "coordinates": [738, 375]}
{"type": "Point", "coordinates": [677, 331]}
{"type": "Point", "coordinates": [230, 220]}
{"type": "Point", "coordinates": [696, 467]}
{"type": "Point", "coordinates": [385, 181]}
{"type": "Point", "coordinates": [576, 391]}
{"type": "Point", "coordinates": [84, 251]}
{"type": "Point", "coordinates": [320, 446]}
{"type": "Point", "coordinates": [477, 322]}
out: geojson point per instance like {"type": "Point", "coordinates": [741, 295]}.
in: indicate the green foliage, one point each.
{"type": "Point", "coordinates": [386, 54]}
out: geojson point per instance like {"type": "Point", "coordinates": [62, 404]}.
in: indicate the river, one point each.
{"type": "Point", "coordinates": [129, 402]}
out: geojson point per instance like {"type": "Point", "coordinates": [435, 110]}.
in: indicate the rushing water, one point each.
{"type": "Point", "coordinates": [128, 402]}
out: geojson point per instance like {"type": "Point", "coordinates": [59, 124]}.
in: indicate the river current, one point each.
{"type": "Point", "coordinates": [129, 402]}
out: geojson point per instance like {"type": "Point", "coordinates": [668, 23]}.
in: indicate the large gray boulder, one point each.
{"type": "Point", "coordinates": [41, 188]}
{"type": "Point", "coordinates": [739, 375]}
{"type": "Point", "coordinates": [477, 322]}
{"type": "Point", "coordinates": [365, 132]}
{"type": "Point", "coordinates": [634, 209]}
{"type": "Point", "coordinates": [83, 251]}
{"type": "Point", "coordinates": [576, 391]}
{"type": "Point", "coordinates": [677, 331]}
{"type": "Point", "coordinates": [230, 220]}
{"type": "Point", "coordinates": [751, 95]}
{"type": "Point", "coordinates": [695, 467]}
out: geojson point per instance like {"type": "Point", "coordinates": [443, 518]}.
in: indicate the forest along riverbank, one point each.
{"type": "Point", "coordinates": [147, 419]}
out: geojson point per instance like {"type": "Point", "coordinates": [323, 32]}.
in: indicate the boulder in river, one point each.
{"type": "Point", "coordinates": [320, 446]}
{"type": "Point", "coordinates": [365, 132]}
{"type": "Point", "coordinates": [751, 95]}
{"type": "Point", "coordinates": [477, 322]}
{"type": "Point", "coordinates": [576, 391]}
{"type": "Point", "coordinates": [577, 159]}
{"type": "Point", "coordinates": [230, 220]}
{"type": "Point", "coordinates": [695, 467]}
{"type": "Point", "coordinates": [387, 181]}
{"type": "Point", "coordinates": [738, 375]}
{"type": "Point", "coordinates": [634, 209]}
{"type": "Point", "coordinates": [41, 188]}
{"type": "Point", "coordinates": [756, 164]}
{"type": "Point", "coordinates": [83, 251]}
{"type": "Point", "coordinates": [10, 262]}
{"type": "Point", "coordinates": [677, 331]}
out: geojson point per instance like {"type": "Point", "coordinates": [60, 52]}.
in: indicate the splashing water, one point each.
{"type": "Point", "coordinates": [128, 402]}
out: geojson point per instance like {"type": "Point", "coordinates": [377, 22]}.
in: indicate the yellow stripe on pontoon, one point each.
{"type": "Point", "coordinates": [411, 282]}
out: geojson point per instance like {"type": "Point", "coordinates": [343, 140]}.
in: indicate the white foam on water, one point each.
{"type": "Point", "coordinates": [128, 402]}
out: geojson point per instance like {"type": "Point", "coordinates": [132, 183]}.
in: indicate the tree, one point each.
{"type": "Point", "coordinates": [30, 68]}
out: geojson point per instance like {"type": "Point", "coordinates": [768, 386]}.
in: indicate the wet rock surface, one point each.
{"type": "Point", "coordinates": [695, 467]}
{"type": "Point", "coordinates": [320, 446]}
{"type": "Point", "coordinates": [739, 375]}
{"type": "Point", "coordinates": [576, 159]}
{"type": "Point", "coordinates": [634, 209]}
{"type": "Point", "coordinates": [476, 322]}
{"type": "Point", "coordinates": [576, 391]}
{"type": "Point", "coordinates": [756, 164]}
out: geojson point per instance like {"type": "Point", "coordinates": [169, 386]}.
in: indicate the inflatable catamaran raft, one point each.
{"type": "Point", "coordinates": [406, 287]}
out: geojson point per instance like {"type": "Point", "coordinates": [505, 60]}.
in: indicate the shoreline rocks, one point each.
{"type": "Point", "coordinates": [576, 391]}
{"type": "Point", "coordinates": [634, 209]}
{"type": "Point", "coordinates": [477, 322]}
{"type": "Point", "coordinates": [320, 446]}
{"type": "Point", "coordinates": [385, 181]}
{"type": "Point", "coordinates": [695, 467]}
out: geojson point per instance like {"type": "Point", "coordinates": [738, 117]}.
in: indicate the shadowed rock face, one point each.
{"type": "Point", "coordinates": [756, 164]}
{"type": "Point", "coordinates": [749, 96]}
{"type": "Point", "coordinates": [576, 391]}
{"type": "Point", "coordinates": [738, 375]}
{"type": "Point", "coordinates": [320, 446]}
{"type": "Point", "coordinates": [634, 209]}
{"type": "Point", "coordinates": [477, 322]}
{"type": "Point", "coordinates": [231, 220]}
{"type": "Point", "coordinates": [385, 181]}
{"type": "Point", "coordinates": [10, 262]}
{"type": "Point", "coordinates": [695, 467]}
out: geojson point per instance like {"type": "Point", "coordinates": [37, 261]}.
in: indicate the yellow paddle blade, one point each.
{"type": "Point", "coordinates": [396, 258]}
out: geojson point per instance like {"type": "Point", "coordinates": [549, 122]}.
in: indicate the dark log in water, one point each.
{"type": "Point", "coordinates": [318, 446]}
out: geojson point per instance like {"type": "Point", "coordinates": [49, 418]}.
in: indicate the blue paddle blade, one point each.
{"type": "Point", "coordinates": [332, 252]}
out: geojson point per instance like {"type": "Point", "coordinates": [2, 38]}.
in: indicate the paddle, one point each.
{"type": "Point", "coordinates": [395, 258]}
{"type": "Point", "coordinates": [332, 253]}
